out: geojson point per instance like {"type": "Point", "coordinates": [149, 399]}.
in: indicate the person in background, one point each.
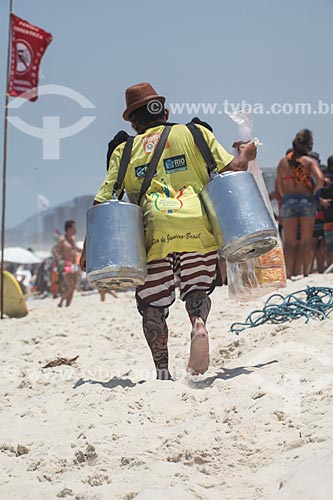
{"type": "Point", "coordinates": [67, 254]}
{"type": "Point", "coordinates": [23, 277]}
{"type": "Point", "coordinates": [275, 195]}
{"type": "Point", "coordinates": [318, 248]}
{"type": "Point", "coordinates": [180, 170]}
{"type": "Point", "coordinates": [294, 179]}
{"type": "Point", "coordinates": [327, 201]}
{"type": "Point", "coordinates": [42, 284]}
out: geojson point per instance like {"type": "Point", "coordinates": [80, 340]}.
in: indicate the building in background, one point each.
{"type": "Point", "coordinates": [38, 231]}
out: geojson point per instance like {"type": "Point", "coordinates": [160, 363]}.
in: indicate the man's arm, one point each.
{"type": "Point", "coordinates": [225, 161]}
{"type": "Point", "coordinates": [58, 251]}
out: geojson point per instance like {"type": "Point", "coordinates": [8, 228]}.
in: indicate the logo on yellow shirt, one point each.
{"type": "Point", "coordinates": [149, 142]}
{"type": "Point", "coordinates": [141, 171]}
{"type": "Point", "coordinates": [175, 164]}
{"type": "Point", "coordinates": [166, 204]}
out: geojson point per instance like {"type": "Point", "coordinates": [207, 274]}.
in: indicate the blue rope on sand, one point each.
{"type": "Point", "coordinates": [317, 304]}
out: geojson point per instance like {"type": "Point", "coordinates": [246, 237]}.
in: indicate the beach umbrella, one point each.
{"type": "Point", "coordinates": [18, 255]}
{"type": "Point", "coordinates": [43, 254]}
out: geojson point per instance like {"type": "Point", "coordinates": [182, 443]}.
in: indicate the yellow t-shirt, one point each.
{"type": "Point", "coordinates": [174, 218]}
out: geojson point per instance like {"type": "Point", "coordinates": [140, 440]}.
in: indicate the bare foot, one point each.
{"type": "Point", "coordinates": [199, 354]}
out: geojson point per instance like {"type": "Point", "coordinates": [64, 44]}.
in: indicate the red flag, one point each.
{"type": "Point", "coordinates": [28, 46]}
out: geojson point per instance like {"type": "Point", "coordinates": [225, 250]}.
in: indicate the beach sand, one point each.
{"type": "Point", "coordinates": [258, 425]}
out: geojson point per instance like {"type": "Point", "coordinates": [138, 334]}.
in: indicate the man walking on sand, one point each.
{"type": "Point", "coordinates": [179, 239]}
{"type": "Point", "coordinates": [66, 253]}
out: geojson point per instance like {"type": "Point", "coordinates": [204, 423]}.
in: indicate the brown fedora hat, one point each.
{"type": "Point", "coordinates": [139, 95]}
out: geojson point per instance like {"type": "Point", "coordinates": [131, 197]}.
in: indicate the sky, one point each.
{"type": "Point", "coordinates": [259, 52]}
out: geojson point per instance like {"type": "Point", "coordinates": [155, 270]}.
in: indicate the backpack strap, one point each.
{"type": "Point", "coordinates": [151, 169]}
{"type": "Point", "coordinates": [125, 159]}
{"type": "Point", "coordinates": [203, 147]}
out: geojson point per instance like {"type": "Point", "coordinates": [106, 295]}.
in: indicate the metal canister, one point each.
{"type": "Point", "coordinates": [116, 255]}
{"type": "Point", "coordinates": [240, 219]}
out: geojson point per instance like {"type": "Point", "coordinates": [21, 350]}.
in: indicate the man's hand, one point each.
{"type": "Point", "coordinates": [250, 150]}
{"type": "Point", "coordinates": [247, 152]}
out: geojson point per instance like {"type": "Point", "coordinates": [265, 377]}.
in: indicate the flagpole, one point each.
{"type": "Point", "coordinates": [4, 168]}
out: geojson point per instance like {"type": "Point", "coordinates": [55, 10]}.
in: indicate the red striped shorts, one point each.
{"type": "Point", "coordinates": [192, 271]}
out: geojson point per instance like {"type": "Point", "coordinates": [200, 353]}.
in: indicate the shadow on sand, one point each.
{"type": "Point", "coordinates": [193, 382]}
{"type": "Point", "coordinates": [226, 374]}
{"type": "Point", "coordinates": [111, 384]}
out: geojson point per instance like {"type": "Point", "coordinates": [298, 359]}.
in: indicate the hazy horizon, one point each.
{"type": "Point", "coordinates": [260, 53]}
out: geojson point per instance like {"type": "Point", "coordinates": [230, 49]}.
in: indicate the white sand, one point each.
{"type": "Point", "coordinates": [258, 425]}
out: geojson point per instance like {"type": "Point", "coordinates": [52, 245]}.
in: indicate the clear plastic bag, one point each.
{"type": "Point", "coordinates": [267, 273]}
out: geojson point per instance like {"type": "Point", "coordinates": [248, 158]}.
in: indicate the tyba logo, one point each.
{"type": "Point", "coordinates": [51, 133]}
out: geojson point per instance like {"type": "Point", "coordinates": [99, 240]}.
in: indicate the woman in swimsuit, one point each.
{"type": "Point", "coordinates": [299, 178]}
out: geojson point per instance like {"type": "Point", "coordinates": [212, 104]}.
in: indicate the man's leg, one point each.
{"type": "Point", "coordinates": [153, 300]}
{"type": "Point", "coordinates": [63, 290]}
{"type": "Point", "coordinates": [71, 284]}
{"type": "Point", "coordinates": [197, 279]}
{"type": "Point", "coordinates": [156, 333]}
{"type": "Point", "coordinates": [198, 305]}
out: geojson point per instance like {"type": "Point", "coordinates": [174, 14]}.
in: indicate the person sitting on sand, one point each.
{"type": "Point", "coordinates": [181, 173]}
